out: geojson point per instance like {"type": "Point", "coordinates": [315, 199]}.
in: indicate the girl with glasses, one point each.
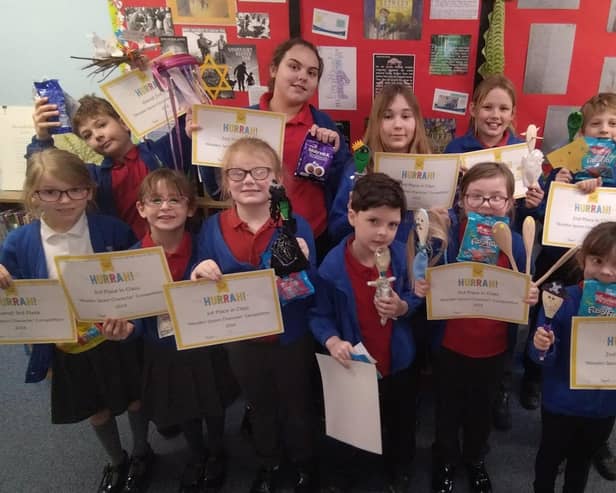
{"type": "Point", "coordinates": [92, 378]}
{"type": "Point", "coordinates": [273, 372]}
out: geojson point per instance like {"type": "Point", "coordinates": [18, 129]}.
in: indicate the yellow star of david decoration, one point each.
{"type": "Point", "coordinates": [221, 70]}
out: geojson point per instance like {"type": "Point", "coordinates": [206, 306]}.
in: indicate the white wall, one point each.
{"type": "Point", "coordinates": [37, 37]}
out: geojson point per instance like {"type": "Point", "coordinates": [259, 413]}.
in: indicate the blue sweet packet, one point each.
{"type": "Point", "coordinates": [599, 161]}
{"type": "Point", "coordinates": [478, 245]}
{"type": "Point", "coordinates": [51, 90]}
{"type": "Point", "coordinates": [598, 299]}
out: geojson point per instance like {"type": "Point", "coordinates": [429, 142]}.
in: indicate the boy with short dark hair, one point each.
{"type": "Point", "coordinates": [125, 164]}
{"type": "Point", "coordinates": [348, 312]}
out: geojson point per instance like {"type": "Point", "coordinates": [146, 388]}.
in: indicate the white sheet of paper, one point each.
{"type": "Point", "coordinates": [454, 9]}
{"type": "Point", "coordinates": [328, 23]}
{"type": "Point", "coordinates": [593, 353]}
{"type": "Point", "coordinates": [139, 101]}
{"type": "Point", "coordinates": [35, 311]}
{"type": "Point", "coordinates": [571, 214]}
{"type": "Point", "coordinates": [351, 403]}
{"type": "Point", "coordinates": [17, 129]}
{"type": "Point", "coordinates": [338, 85]}
{"type": "Point", "coordinates": [241, 306]}
{"type": "Point", "coordinates": [220, 126]}
{"type": "Point", "coordinates": [428, 180]}
{"type": "Point", "coordinates": [474, 290]}
{"type": "Point", "coordinates": [255, 93]}
{"type": "Point", "coordinates": [511, 155]}
{"type": "Point", "coordinates": [126, 284]}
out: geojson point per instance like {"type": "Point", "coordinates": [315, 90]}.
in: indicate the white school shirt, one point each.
{"type": "Point", "coordinates": [76, 241]}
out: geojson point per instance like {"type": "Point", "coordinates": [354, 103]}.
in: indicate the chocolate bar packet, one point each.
{"type": "Point", "coordinates": [315, 159]}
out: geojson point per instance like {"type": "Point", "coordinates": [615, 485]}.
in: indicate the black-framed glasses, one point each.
{"type": "Point", "coordinates": [257, 173]}
{"type": "Point", "coordinates": [477, 200]}
{"type": "Point", "coordinates": [172, 202]}
{"type": "Point", "coordinates": [52, 195]}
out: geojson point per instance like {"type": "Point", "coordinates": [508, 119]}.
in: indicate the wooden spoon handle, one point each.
{"type": "Point", "coordinates": [528, 236]}
{"type": "Point", "coordinates": [566, 256]}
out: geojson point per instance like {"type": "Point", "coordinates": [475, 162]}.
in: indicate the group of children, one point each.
{"type": "Point", "coordinates": [134, 366]}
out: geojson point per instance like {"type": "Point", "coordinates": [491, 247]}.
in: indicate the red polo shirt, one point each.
{"type": "Point", "coordinates": [501, 143]}
{"type": "Point", "coordinates": [376, 338]}
{"type": "Point", "coordinates": [178, 260]}
{"type": "Point", "coordinates": [245, 245]}
{"type": "Point", "coordinates": [307, 197]}
{"type": "Point", "coordinates": [126, 177]}
{"type": "Point", "coordinates": [477, 337]}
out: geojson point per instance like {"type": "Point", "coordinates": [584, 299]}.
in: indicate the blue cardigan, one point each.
{"type": "Point", "coordinates": [557, 397]}
{"type": "Point", "coordinates": [155, 154]}
{"type": "Point", "coordinates": [23, 255]}
{"type": "Point", "coordinates": [212, 246]}
{"type": "Point", "coordinates": [335, 312]}
{"type": "Point", "coordinates": [341, 157]}
{"type": "Point", "coordinates": [148, 327]}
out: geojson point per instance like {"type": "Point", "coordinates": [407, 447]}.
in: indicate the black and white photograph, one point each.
{"type": "Point", "coordinates": [388, 69]}
{"type": "Point", "coordinates": [173, 44]}
{"type": "Point", "coordinates": [254, 25]}
{"type": "Point", "coordinates": [450, 101]}
{"type": "Point", "coordinates": [243, 66]}
{"type": "Point", "coordinates": [149, 20]}
{"type": "Point", "coordinates": [205, 41]}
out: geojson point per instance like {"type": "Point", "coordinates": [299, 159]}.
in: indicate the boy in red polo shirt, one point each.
{"type": "Point", "coordinates": [125, 164]}
{"type": "Point", "coordinates": [347, 312]}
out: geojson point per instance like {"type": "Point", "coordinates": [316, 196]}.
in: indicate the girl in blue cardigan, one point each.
{"type": "Point", "coordinates": [274, 373]}
{"type": "Point", "coordinates": [92, 378]}
{"type": "Point", "coordinates": [575, 423]}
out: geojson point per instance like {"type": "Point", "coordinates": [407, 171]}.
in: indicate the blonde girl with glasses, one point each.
{"type": "Point", "coordinates": [273, 372]}
{"type": "Point", "coordinates": [94, 377]}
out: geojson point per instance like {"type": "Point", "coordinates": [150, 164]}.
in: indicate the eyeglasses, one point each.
{"type": "Point", "coordinates": [172, 202]}
{"type": "Point", "coordinates": [258, 173]}
{"type": "Point", "coordinates": [476, 200]}
{"type": "Point", "coordinates": [50, 195]}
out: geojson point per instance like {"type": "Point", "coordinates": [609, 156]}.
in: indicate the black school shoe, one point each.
{"type": "Point", "coordinates": [530, 394]}
{"type": "Point", "coordinates": [192, 478]}
{"type": "Point", "coordinates": [478, 479]}
{"type": "Point", "coordinates": [114, 477]}
{"type": "Point", "coordinates": [501, 413]}
{"type": "Point", "coordinates": [139, 472]}
{"type": "Point", "coordinates": [266, 480]}
{"type": "Point", "coordinates": [215, 471]}
{"type": "Point", "coordinates": [605, 462]}
{"type": "Point", "coordinates": [443, 477]}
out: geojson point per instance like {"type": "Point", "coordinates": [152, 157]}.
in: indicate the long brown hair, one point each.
{"type": "Point", "coordinates": [600, 242]}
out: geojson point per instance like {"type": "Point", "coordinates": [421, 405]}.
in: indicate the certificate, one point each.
{"type": "Point", "coordinates": [428, 180]}
{"type": "Point", "coordinates": [126, 284]}
{"type": "Point", "coordinates": [593, 353]}
{"type": "Point", "coordinates": [139, 101]}
{"type": "Point", "coordinates": [220, 126]}
{"type": "Point", "coordinates": [510, 155]}
{"type": "Point", "coordinates": [35, 311]}
{"type": "Point", "coordinates": [571, 214]}
{"type": "Point", "coordinates": [239, 306]}
{"type": "Point", "coordinates": [474, 290]}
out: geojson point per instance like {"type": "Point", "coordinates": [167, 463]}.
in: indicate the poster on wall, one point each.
{"type": "Point", "coordinates": [548, 60]}
{"type": "Point", "coordinates": [338, 85]}
{"type": "Point", "coordinates": [549, 4]}
{"type": "Point", "coordinates": [173, 44]}
{"type": "Point", "coordinates": [449, 54]}
{"type": "Point", "coordinates": [149, 21]}
{"type": "Point", "coordinates": [390, 69]}
{"type": "Point", "coordinates": [460, 9]}
{"type": "Point", "coordinates": [203, 12]}
{"type": "Point", "coordinates": [254, 25]}
{"type": "Point", "coordinates": [611, 18]}
{"type": "Point", "coordinates": [329, 23]}
{"type": "Point", "coordinates": [440, 131]}
{"type": "Point", "coordinates": [205, 41]}
{"type": "Point", "coordinates": [450, 101]}
{"type": "Point", "coordinates": [393, 19]}
{"type": "Point", "coordinates": [243, 66]}
{"type": "Point", "coordinates": [608, 75]}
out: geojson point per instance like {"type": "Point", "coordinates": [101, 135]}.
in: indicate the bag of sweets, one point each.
{"type": "Point", "coordinates": [478, 245]}
{"type": "Point", "coordinates": [599, 161]}
{"type": "Point", "coordinates": [315, 159]}
{"type": "Point", "coordinates": [51, 90]}
{"type": "Point", "coordinates": [598, 299]}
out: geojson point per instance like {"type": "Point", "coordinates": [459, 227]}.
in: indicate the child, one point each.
{"type": "Point", "coordinates": [492, 112]}
{"type": "Point", "coordinates": [92, 378]}
{"type": "Point", "coordinates": [125, 164]}
{"type": "Point", "coordinates": [598, 121]}
{"type": "Point", "coordinates": [181, 387]}
{"type": "Point", "coordinates": [273, 372]}
{"type": "Point", "coordinates": [575, 423]}
{"type": "Point", "coordinates": [395, 125]}
{"type": "Point", "coordinates": [469, 363]}
{"type": "Point", "coordinates": [347, 313]}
